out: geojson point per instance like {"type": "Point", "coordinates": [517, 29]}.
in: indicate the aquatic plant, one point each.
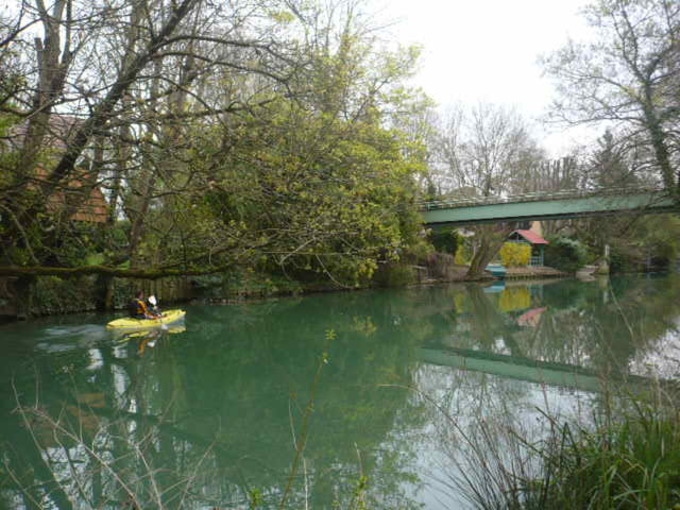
{"type": "Point", "coordinates": [631, 460]}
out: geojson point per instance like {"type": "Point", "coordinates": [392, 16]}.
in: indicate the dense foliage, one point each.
{"type": "Point", "coordinates": [282, 139]}
{"type": "Point", "coordinates": [648, 244]}
{"type": "Point", "coordinates": [565, 254]}
{"type": "Point", "coordinates": [224, 141]}
{"type": "Point", "coordinates": [446, 240]}
{"type": "Point", "coordinates": [314, 195]}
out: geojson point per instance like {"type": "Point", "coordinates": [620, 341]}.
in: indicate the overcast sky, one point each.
{"type": "Point", "coordinates": [487, 50]}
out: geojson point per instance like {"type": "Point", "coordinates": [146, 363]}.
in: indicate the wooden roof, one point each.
{"type": "Point", "coordinates": [530, 236]}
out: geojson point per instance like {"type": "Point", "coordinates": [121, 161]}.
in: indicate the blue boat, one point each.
{"type": "Point", "coordinates": [497, 270]}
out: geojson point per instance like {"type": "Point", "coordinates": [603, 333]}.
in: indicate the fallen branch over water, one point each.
{"type": "Point", "coordinates": [149, 274]}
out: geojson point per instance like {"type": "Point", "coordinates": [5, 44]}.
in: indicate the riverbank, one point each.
{"type": "Point", "coordinates": [458, 274]}
{"type": "Point", "coordinates": [50, 295]}
{"type": "Point", "coordinates": [624, 455]}
{"type": "Point", "coordinates": [631, 462]}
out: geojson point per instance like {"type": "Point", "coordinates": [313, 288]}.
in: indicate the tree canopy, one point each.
{"type": "Point", "coordinates": [255, 134]}
{"type": "Point", "coordinates": [626, 77]}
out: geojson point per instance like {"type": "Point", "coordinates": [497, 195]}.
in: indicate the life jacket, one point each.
{"type": "Point", "coordinates": [138, 309]}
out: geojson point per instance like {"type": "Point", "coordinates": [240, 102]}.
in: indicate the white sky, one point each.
{"type": "Point", "coordinates": [488, 50]}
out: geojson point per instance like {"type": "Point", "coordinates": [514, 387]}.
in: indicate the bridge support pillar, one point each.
{"type": "Point", "coordinates": [603, 266]}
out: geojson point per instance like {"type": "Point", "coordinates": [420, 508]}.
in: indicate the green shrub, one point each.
{"type": "Point", "coordinates": [623, 259]}
{"type": "Point", "coordinates": [628, 461]}
{"type": "Point", "coordinates": [626, 456]}
{"type": "Point", "coordinates": [632, 259]}
{"type": "Point", "coordinates": [244, 283]}
{"type": "Point", "coordinates": [445, 241]}
{"type": "Point", "coordinates": [463, 254]}
{"type": "Point", "coordinates": [54, 295]}
{"type": "Point", "coordinates": [395, 275]}
{"type": "Point", "coordinates": [565, 254]}
{"type": "Point", "coordinates": [515, 254]}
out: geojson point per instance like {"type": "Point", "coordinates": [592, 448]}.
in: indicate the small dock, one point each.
{"type": "Point", "coordinates": [534, 272]}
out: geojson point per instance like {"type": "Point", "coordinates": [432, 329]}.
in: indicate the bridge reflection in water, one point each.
{"type": "Point", "coordinates": [542, 372]}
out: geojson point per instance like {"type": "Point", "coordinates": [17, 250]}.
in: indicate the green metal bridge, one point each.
{"type": "Point", "coordinates": [548, 206]}
{"type": "Point", "coordinates": [541, 372]}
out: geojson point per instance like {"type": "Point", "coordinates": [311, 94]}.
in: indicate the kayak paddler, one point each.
{"type": "Point", "coordinates": [139, 309]}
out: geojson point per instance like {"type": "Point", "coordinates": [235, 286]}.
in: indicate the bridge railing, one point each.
{"type": "Point", "coordinates": [537, 196]}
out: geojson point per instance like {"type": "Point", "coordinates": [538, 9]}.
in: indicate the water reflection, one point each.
{"type": "Point", "coordinates": [146, 338]}
{"type": "Point", "coordinates": [212, 414]}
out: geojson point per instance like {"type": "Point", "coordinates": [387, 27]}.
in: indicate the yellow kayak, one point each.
{"type": "Point", "coordinates": [128, 323]}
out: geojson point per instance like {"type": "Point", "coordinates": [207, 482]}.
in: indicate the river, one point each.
{"type": "Point", "coordinates": [325, 401]}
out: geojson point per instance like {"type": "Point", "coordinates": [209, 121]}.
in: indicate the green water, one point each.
{"type": "Point", "coordinates": [212, 414]}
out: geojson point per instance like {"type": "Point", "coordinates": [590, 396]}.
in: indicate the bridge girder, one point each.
{"type": "Point", "coordinates": [647, 202]}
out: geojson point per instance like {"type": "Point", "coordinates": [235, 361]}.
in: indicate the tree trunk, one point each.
{"type": "Point", "coordinates": [104, 293]}
{"type": "Point", "coordinates": [53, 65]}
{"type": "Point", "coordinates": [23, 291]}
{"type": "Point", "coordinates": [481, 259]}
{"type": "Point", "coordinates": [661, 153]}
{"type": "Point", "coordinates": [491, 239]}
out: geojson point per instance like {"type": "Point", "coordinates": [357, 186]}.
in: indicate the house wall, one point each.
{"type": "Point", "coordinates": [537, 228]}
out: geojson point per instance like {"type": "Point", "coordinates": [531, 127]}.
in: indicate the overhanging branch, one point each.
{"type": "Point", "coordinates": [147, 274]}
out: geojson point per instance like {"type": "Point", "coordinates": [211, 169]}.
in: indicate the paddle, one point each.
{"type": "Point", "coordinates": [153, 301]}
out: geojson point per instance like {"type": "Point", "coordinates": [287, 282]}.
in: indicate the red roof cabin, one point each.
{"type": "Point", "coordinates": [536, 241]}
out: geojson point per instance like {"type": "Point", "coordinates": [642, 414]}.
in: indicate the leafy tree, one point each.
{"type": "Point", "coordinates": [649, 243]}
{"type": "Point", "coordinates": [627, 77]}
{"type": "Point", "coordinates": [610, 165]}
{"type": "Point", "coordinates": [477, 156]}
{"type": "Point", "coordinates": [322, 196]}
{"type": "Point", "coordinates": [222, 135]}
